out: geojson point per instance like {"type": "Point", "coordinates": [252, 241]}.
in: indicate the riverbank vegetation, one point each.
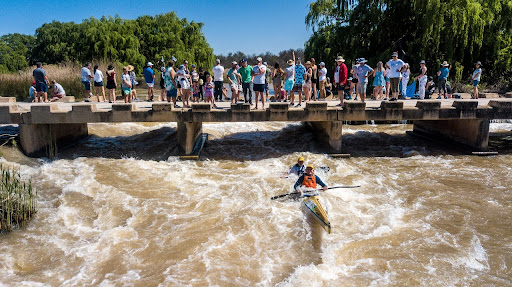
{"type": "Point", "coordinates": [460, 32]}
{"type": "Point", "coordinates": [17, 200]}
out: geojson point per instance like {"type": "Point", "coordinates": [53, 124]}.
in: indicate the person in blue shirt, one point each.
{"type": "Point", "coordinates": [363, 72]}
{"type": "Point", "coordinates": [149, 77]}
{"type": "Point", "coordinates": [442, 76]}
{"type": "Point", "coordinates": [309, 180]}
{"type": "Point", "coordinates": [476, 79]}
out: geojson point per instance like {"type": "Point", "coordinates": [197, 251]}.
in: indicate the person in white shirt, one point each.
{"type": "Point", "coordinates": [58, 91]}
{"type": "Point", "coordinates": [476, 78]}
{"type": "Point", "coordinates": [258, 73]}
{"type": "Point", "coordinates": [218, 80]}
{"type": "Point", "coordinates": [322, 79]}
{"type": "Point", "coordinates": [395, 67]}
{"type": "Point", "coordinates": [405, 79]}
{"type": "Point", "coordinates": [98, 83]}
{"type": "Point", "coordinates": [422, 79]}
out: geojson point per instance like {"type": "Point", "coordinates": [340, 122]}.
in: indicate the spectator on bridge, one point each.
{"type": "Point", "coordinates": [363, 72]}
{"type": "Point", "coordinates": [268, 75]}
{"type": "Point", "coordinates": [111, 84]}
{"type": "Point", "coordinates": [422, 79]}
{"type": "Point", "coordinates": [32, 91]}
{"type": "Point", "coordinates": [58, 91]}
{"type": "Point", "coordinates": [41, 82]}
{"type": "Point", "coordinates": [406, 72]}
{"type": "Point", "coordinates": [149, 77]}
{"type": "Point", "coordinates": [258, 73]}
{"type": "Point", "coordinates": [184, 83]}
{"type": "Point", "coordinates": [378, 81]}
{"type": "Point", "coordinates": [340, 78]}
{"type": "Point", "coordinates": [442, 77]}
{"type": "Point", "coordinates": [98, 83]}
{"type": "Point", "coordinates": [162, 84]}
{"type": "Point", "coordinates": [322, 79]}
{"type": "Point", "coordinates": [208, 91]}
{"type": "Point", "coordinates": [354, 80]}
{"type": "Point", "coordinates": [300, 76]}
{"type": "Point", "coordinates": [133, 79]}
{"type": "Point", "coordinates": [308, 82]}
{"type": "Point", "coordinates": [290, 78]}
{"type": "Point", "coordinates": [218, 78]}
{"type": "Point", "coordinates": [396, 67]}
{"type": "Point", "coordinates": [476, 78]}
{"type": "Point", "coordinates": [314, 79]}
{"type": "Point", "coordinates": [388, 83]}
{"type": "Point", "coordinates": [85, 77]}
{"type": "Point", "coordinates": [202, 81]}
{"type": "Point", "coordinates": [247, 84]}
{"type": "Point", "coordinates": [277, 81]}
{"type": "Point", "coordinates": [126, 85]}
{"type": "Point", "coordinates": [234, 82]}
{"type": "Point", "coordinates": [328, 87]}
{"type": "Point", "coordinates": [170, 84]}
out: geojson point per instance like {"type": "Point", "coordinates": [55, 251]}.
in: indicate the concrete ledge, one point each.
{"type": "Point", "coordinates": [508, 95]}
{"type": "Point", "coordinates": [7, 100]}
{"type": "Point", "coordinates": [278, 107]}
{"type": "Point", "coordinates": [66, 99]}
{"type": "Point", "coordinates": [165, 107]}
{"type": "Point", "coordinates": [488, 95]}
{"type": "Point", "coordinates": [84, 108]}
{"type": "Point", "coordinates": [502, 109]}
{"type": "Point", "coordinates": [466, 108]}
{"type": "Point", "coordinates": [9, 113]}
{"type": "Point", "coordinates": [316, 106]}
{"type": "Point", "coordinates": [354, 111]}
{"type": "Point", "coordinates": [392, 110]}
{"type": "Point", "coordinates": [462, 95]}
{"type": "Point", "coordinates": [201, 108]}
{"type": "Point", "coordinates": [123, 107]}
{"type": "Point", "coordinates": [429, 109]}
{"type": "Point", "coordinates": [95, 99]}
{"type": "Point", "coordinates": [240, 108]}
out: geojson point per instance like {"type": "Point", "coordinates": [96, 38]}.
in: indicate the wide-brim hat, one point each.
{"type": "Point", "coordinates": [422, 62]}
{"type": "Point", "coordinates": [234, 63]}
{"type": "Point", "coordinates": [340, 59]}
{"type": "Point", "coordinates": [362, 60]}
{"type": "Point", "coordinates": [110, 67]}
{"type": "Point", "coordinates": [290, 62]}
{"type": "Point", "coordinates": [478, 63]}
{"type": "Point", "coordinates": [129, 68]}
{"type": "Point", "coordinates": [445, 64]}
{"type": "Point", "coordinates": [307, 63]}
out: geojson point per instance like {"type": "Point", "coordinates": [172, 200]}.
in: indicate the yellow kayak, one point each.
{"type": "Point", "coordinates": [320, 211]}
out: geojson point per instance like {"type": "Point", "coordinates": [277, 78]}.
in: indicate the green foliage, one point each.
{"type": "Point", "coordinates": [458, 31]}
{"type": "Point", "coordinates": [135, 42]}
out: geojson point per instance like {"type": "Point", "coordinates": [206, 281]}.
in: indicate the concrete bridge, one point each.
{"type": "Point", "coordinates": [463, 121]}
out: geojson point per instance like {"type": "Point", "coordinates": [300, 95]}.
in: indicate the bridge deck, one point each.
{"type": "Point", "coordinates": [79, 112]}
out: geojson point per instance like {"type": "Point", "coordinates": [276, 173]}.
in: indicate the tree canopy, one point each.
{"type": "Point", "coordinates": [458, 31]}
{"type": "Point", "coordinates": [147, 38]}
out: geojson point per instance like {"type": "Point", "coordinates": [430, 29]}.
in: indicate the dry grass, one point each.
{"type": "Point", "coordinates": [67, 74]}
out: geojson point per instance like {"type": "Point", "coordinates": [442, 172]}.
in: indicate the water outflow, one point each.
{"type": "Point", "coordinates": [121, 209]}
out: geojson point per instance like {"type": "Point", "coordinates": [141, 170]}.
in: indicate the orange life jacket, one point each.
{"type": "Point", "coordinates": [309, 181]}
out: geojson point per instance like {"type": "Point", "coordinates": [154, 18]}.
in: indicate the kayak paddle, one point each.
{"type": "Point", "coordinates": [334, 187]}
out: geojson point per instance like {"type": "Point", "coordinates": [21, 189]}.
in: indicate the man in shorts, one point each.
{"type": "Point", "coordinates": [340, 78]}
{"type": "Point", "coordinates": [300, 77]}
{"type": "Point", "coordinates": [396, 67]}
{"type": "Point", "coordinates": [363, 72]}
{"type": "Point", "coordinates": [149, 77]}
{"type": "Point", "coordinates": [258, 73]}
{"type": "Point", "coordinates": [41, 82]}
{"type": "Point", "coordinates": [245, 72]}
{"type": "Point", "coordinates": [86, 76]}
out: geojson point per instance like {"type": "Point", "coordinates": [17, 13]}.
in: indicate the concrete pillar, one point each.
{"type": "Point", "coordinates": [329, 132]}
{"type": "Point", "coordinates": [188, 132]}
{"type": "Point", "coordinates": [470, 132]}
{"type": "Point", "coordinates": [45, 139]}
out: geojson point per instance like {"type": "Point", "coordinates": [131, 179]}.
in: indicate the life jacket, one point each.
{"type": "Point", "coordinates": [309, 181]}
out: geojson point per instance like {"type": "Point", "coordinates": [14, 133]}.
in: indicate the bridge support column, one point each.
{"type": "Point", "coordinates": [188, 132]}
{"type": "Point", "coordinates": [470, 132]}
{"type": "Point", "coordinates": [45, 139]}
{"type": "Point", "coordinates": [329, 132]}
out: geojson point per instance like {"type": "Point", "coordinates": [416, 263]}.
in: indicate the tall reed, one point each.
{"type": "Point", "coordinates": [17, 200]}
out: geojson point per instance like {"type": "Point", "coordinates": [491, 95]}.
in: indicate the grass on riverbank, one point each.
{"type": "Point", "coordinates": [17, 200]}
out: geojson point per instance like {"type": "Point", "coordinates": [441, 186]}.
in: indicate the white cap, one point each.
{"type": "Point", "coordinates": [217, 61]}
{"type": "Point", "coordinates": [259, 59]}
{"type": "Point", "coordinates": [150, 64]}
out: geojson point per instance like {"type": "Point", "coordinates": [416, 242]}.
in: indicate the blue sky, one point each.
{"type": "Point", "coordinates": [230, 26]}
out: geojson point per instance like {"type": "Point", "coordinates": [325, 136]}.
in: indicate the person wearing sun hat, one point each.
{"type": "Point", "coordinates": [149, 77]}
{"type": "Point", "coordinates": [299, 168]}
{"type": "Point", "coordinates": [290, 77]}
{"type": "Point", "coordinates": [396, 67]}
{"type": "Point", "coordinates": [309, 180]}
{"type": "Point", "coordinates": [476, 78]}
{"type": "Point", "coordinates": [422, 79]}
{"type": "Point", "coordinates": [442, 77]}
{"type": "Point", "coordinates": [363, 72]}
{"type": "Point", "coordinates": [340, 78]}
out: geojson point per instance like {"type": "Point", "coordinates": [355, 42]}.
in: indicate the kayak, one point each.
{"type": "Point", "coordinates": [319, 209]}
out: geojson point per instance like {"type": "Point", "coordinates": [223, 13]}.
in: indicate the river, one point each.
{"type": "Point", "coordinates": [120, 209]}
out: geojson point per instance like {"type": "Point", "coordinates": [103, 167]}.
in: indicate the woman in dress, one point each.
{"type": "Point", "coordinates": [277, 80]}
{"type": "Point", "coordinates": [111, 84]}
{"type": "Point", "coordinates": [378, 82]}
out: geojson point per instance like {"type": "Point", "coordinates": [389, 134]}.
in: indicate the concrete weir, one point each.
{"type": "Point", "coordinates": [46, 126]}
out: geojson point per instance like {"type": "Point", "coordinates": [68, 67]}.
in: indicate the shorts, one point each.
{"type": "Point", "coordinates": [234, 87]}
{"type": "Point", "coordinates": [151, 85]}
{"type": "Point", "coordinates": [195, 95]}
{"type": "Point", "coordinates": [355, 80]}
{"type": "Point", "coordinates": [41, 87]}
{"type": "Point", "coordinates": [361, 87]}
{"type": "Point", "coordinates": [259, 88]}
{"type": "Point", "coordinates": [127, 91]}
{"type": "Point", "coordinates": [475, 83]}
{"type": "Point", "coordinates": [307, 85]}
{"type": "Point", "coordinates": [98, 84]}
{"type": "Point", "coordinates": [240, 88]}
{"type": "Point", "coordinates": [340, 88]}
{"type": "Point", "coordinates": [394, 84]}
{"type": "Point", "coordinates": [172, 93]}
{"type": "Point", "coordinates": [313, 81]}
{"type": "Point", "coordinates": [387, 80]}
{"type": "Point", "coordinates": [297, 88]}
{"type": "Point", "coordinates": [184, 84]}
{"type": "Point", "coordinates": [87, 85]}
{"type": "Point", "coordinates": [111, 85]}
{"type": "Point", "coordinates": [178, 85]}
{"type": "Point", "coordinates": [288, 85]}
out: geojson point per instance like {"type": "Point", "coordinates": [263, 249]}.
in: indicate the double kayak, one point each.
{"type": "Point", "coordinates": [318, 208]}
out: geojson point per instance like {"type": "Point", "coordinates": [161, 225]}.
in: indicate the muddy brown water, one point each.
{"type": "Point", "coordinates": [120, 209]}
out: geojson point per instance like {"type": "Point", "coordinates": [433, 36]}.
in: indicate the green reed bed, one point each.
{"type": "Point", "coordinates": [17, 200]}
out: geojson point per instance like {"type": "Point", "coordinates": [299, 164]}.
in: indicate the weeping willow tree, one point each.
{"type": "Point", "coordinates": [17, 200]}
{"type": "Point", "coordinates": [458, 31]}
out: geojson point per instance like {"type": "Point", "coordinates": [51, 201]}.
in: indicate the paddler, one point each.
{"type": "Point", "coordinates": [298, 168]}
{"type": "Point", "coordinates": [309, 180]}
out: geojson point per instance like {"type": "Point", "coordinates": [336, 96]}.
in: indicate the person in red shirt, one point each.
{"type": "Point", "coordinates": [340, 78]}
